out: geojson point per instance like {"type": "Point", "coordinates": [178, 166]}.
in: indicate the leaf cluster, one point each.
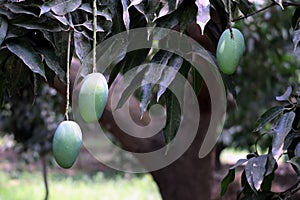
{"type": "Point", "coordinates": [282, 124]}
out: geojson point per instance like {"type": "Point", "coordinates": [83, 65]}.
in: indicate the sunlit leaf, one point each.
{"type": "Point", "coordinates": [63, 7]}
{"type": "Point", "coordinates": [203, 15]}
{"type": "Point", "coordinates": [3, 29]}
{"type": "Point", "coordinates": [255, 170]}
{"type": "Point", "coordinates": [282, 127]}
{"type": "Point", "coordinates": [286, 95]}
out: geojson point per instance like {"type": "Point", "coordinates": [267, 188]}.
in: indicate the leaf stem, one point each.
{"type": "Point", "coordinates": [68, 76]}
{"type": "Point", "coordinates": [94, 33]}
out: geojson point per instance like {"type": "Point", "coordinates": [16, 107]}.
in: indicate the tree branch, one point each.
{"type": "Point", "coordinates": [284, 4]}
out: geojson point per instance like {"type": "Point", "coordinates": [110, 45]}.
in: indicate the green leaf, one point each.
{"type": "Point", "coordinates": [3, 29]}
{"type": "Point", "coordinates": [169, 74]}
{"type": "Point", "coordinates": [23, 9]}
{"type": "Point", "coordinates": [282, 127]}
{"type": "Point", "coordinates": [286, 95]}
{"type": "Point", "coordinates": [61, 43]}
{"type": "Point", "coordinates": [296, 162]}
{"type": "Point", "coordinates": [153, 74]}
{"type": "Point", "coordinates": [255, 171]}
{"type": "Point", "coordinates": [296, 38]}
{"type": "Point", "coordinates": [173, 120]}
{"type": "Point", "coordinates": [244, 6]}
{"type": "Point", "coordinates": [187, 16]}
{"type": "Point", "coordinates": [63, 7]}
{"type": "Point", "coordinates": [82, 46]}
{"type": "Point", "coordinates": [168, 7]}
{"type": "Point", "coordinates": [16, 75]}
{"type": "Point", "coordinates": [42, 23]}
{"type": "Point", "coordinates": [53, 62]}
{"type": "Point", "coordinates": [203, 15]}
{"type": "Point", "coordinates": [229, 178]}
{"type": "Point", "coordinates": [27, 54]}
{"type": "Point", "coordinates": [197, 81]}
{"type": "Point", "coordinates": [268, 116]}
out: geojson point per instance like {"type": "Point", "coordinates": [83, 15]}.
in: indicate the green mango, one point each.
{"type": "Point", "coordinates": [66, 143]}
{"type": "Point", "coordinates": [92, 97]}
{"type": "Point", "coordinates": [230, 50]}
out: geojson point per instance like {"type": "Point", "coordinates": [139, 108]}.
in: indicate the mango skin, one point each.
{"type": "Point", "coordinates": [66, 143]}
{"type": "Point", "coordinates": [92, 97]}
{"type": "Point", "coordinates": [230, 50]}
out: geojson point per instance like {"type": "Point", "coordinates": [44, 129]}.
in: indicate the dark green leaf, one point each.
{"type": "Point", "coordinates": [197, 81]}
{"type": "Point", "coordinates": [255, 171]}
{"type": "Point", "coordinates": [136, 80]}
{"type": "Point", "coordinates": [18, 9]}
{"type": "Point", "coordinates": [63, 7]}
{"type": "Point", "coordinates": [82, 45]}
{"type": "Point", "coordinates": [173, 116]}
{"type": "Point", "coordinates": [286, 95]}
{"type": "Point", "coordinates": [239, 163]}
{"type": "Point", "coordinates": [168, 7]}
{"type": "Point", "coordinates": [187, 16]}
{"type": "Point", "coordinates": [16, 75]}
{"type": "Point", "coordinates": [296, 19]}
{"type": "Point", "coordinates": [61, 44]}
{"type": "Point", "coordinates": [296, 162]}
{"type": "Point", "coordinates": [268, 116]}
{"type": "Point", "coordinates": [244, 6]}
{"type": "Point", "coordinates": [296, 38]}
{"type": "Point", "coordinates": [3, 29]}
{"type": "Point", "coordinates": [27, 54]}
{"type": "Point", "coordinates": [203, 15]}
{"type": "Point", "coordinates": [52, 62]}
{"type": "Point", "coordinates": [39, 24]}
{"type": "Point", "coordinates": [282, 127]}
{"type": "Point", "coordinates": [8, 14]}
{"type": "Point", "coordinates": [15, 32]}
{"type": "Point", "coordinates": [229, 178]}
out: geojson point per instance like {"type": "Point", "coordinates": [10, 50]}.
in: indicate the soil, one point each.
{"type": "Point", "coordinates": [10, 161]}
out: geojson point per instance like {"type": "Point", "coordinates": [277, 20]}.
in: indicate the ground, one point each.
{"type": "Point", "coordinates": [10, 161]}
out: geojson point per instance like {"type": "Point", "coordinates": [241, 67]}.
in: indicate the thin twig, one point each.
{"type": "Point", "coordinates": [254, 13]}
{"type": "Point", "coordinates": [94, 33]}
{"type": "Point", "coordinates": [284, 4]}
{"type": "Point", "coordinates": [68, 77]}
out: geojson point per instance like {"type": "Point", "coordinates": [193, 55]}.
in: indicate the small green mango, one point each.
{"type": "Point", "coordinates": [66, 143]}
{"type": "Point", "coordinates": [230, 50]}
{"type": "Point", "coordinates": [92, 97]}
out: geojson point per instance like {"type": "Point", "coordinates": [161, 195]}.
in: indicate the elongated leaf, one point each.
{"type": "Point", "coordinates": [286, 95]}
{"type": "Point", "coordinates": [197, 81]}
{"type": "Point", "coordinates": [281, 129]}
{"type": "Point", "coordinates": [153, 74]}
{"type": "Point", "coordinates": [279, 2]}
{"type": "Point", "coordinates": [169, 74]}
{"type": "Point", "coordinates": [229, 178]}
{"type": "Point", "coordinates": [39, 24]}
{"type": "Point", "coordinates": [296, 162]}
{"type": "Point", "coordinates": [168, 7]}
{"type": "Point", "coordinates": [104, 12]}
{"type": "Point", "coordinates": [18, 9]}
{"type": "Point", "coordinates": [61, 44]}
{"type": "Point", "coordinates": [268, 116]}
{"type": "Point", "coordinates": [296, 38]}
{"type": "Point", "coordinates": [255, 171]}
{"type": "Point", "coordinates": [63, 7]}
{"type": "Point", "coordinates": [173, 117]}
{"type": "Point", "coordinates": [203, 15]}
{"type": "Point", "coordinates": [82, 46]}
{"type": "Point", "coordinates": [27, 54]}
{"type": "Point", "coordinates": [53, 62]}
{"type": "Point", "coordinates": [3, 29]}
{"type": "Point", "coordinates": [126, 17]}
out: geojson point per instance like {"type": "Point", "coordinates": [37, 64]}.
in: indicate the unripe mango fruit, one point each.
{"type": "Point", "coordinates": [230, 50]}
{"type": "Point", "coordinates": [92, 97]}
{"type": "Point", "coordinates": [66, 143]}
